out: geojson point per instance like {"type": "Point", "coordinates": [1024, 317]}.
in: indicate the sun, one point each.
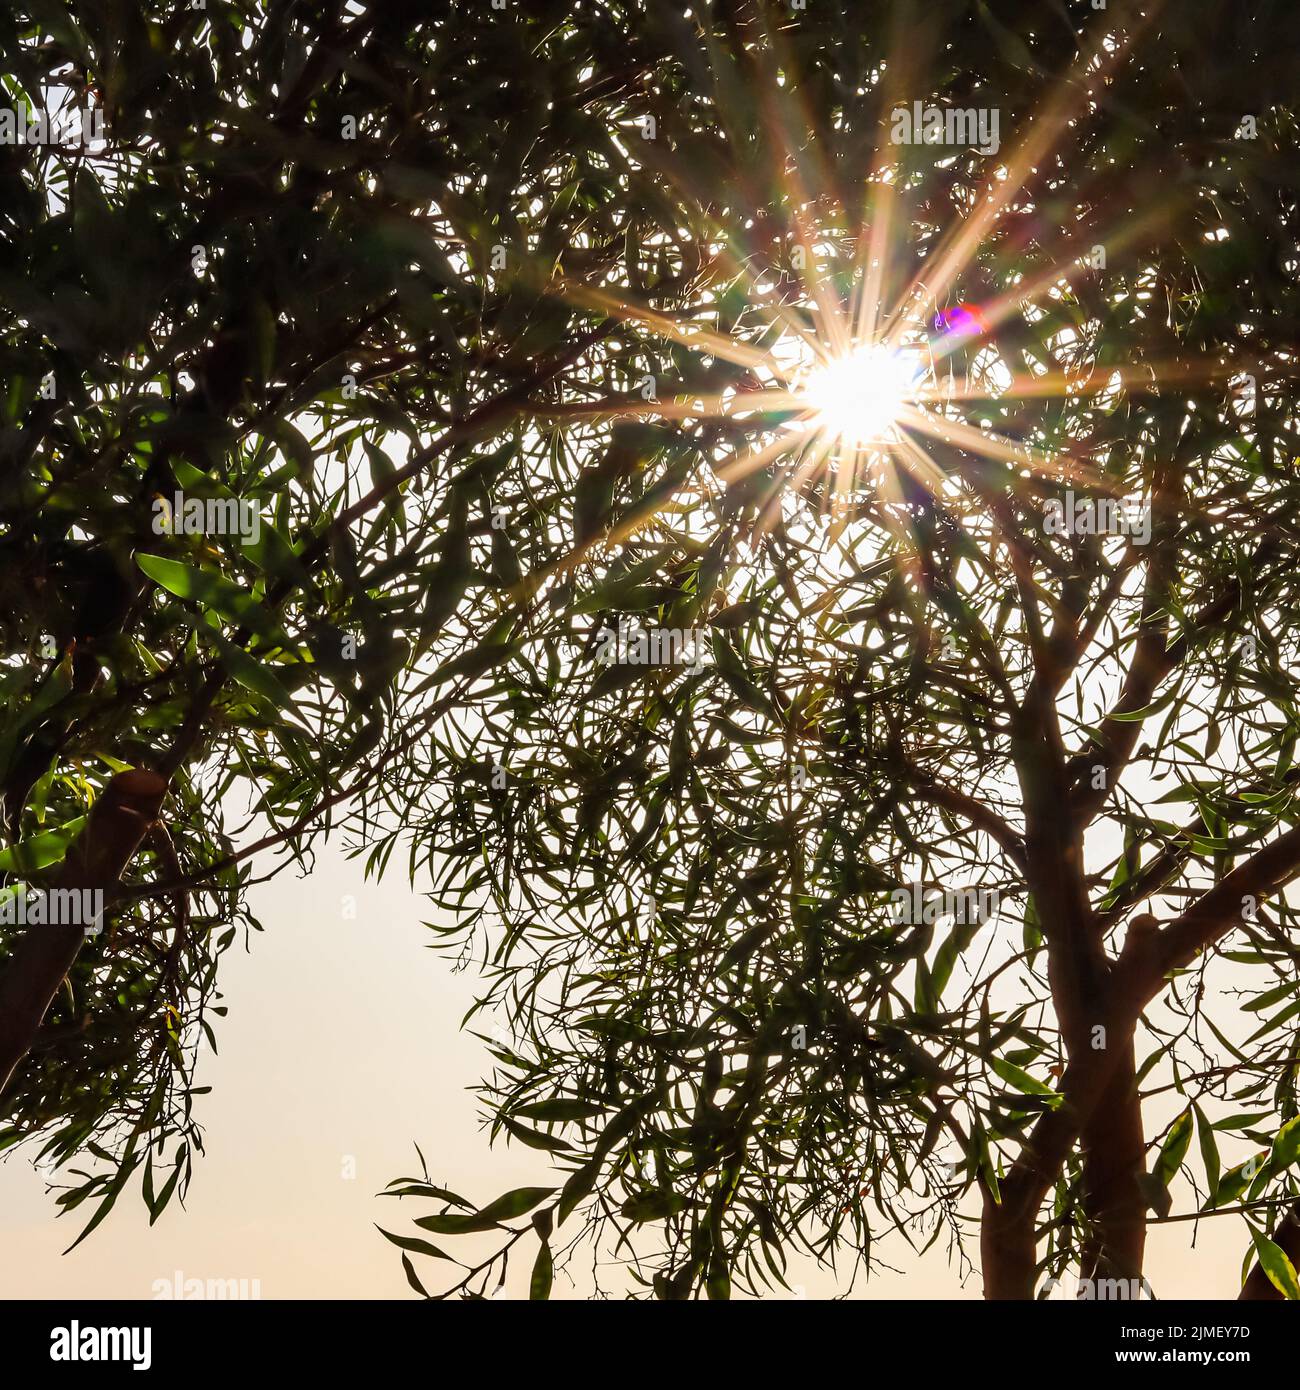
{"type": "Point", "coordinates": [859, 398]}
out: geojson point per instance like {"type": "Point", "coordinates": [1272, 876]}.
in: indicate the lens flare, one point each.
{"type": "Point", "coordinates": [859, 398]}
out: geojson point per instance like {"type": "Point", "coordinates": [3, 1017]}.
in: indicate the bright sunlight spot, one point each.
{"type": "Point", "coordinates": [858, 398]}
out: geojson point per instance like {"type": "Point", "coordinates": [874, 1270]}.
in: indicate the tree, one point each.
{"type": "Point", "coordinates": [713, 820]}
{"type": "Point", "coordinates": [587, 271]}
{"type": "Point", "coordinates": [243, 298]}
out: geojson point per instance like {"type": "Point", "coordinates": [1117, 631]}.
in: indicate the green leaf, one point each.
{"type": "Point", "coordinates": [1286, 1146]}
{"type": "Point", "coordinates": [718, 1282]}
{"type": "Point", "coordinates": [987, 1166]}
{"type": "Point", "coordinates": [160, 1202]}
{"type": "Point", "coordinates": [1022, 1080]}
{"type": "Point", "coordinates": [1236, 1180]}
{"type": "Point", "coordinates": [560, 1108]}
{"type": "Point", "coordinates": [412, 1278]}
{"type": "Point", "coordinates": [505, 1208]}
{"type": "Point", "coordinates": [382, 470]}
{"type": "Point", "coordinates": [1174, 1149]}
{"type": "Point", "coordinates": [273, 554]}
{"type": "Point", "coordinates": [128, 1166]}
{"type": "Point", "coordinates": [539, 1287]}
{"type": "Point", "coordinates": [515, 1203]}
{"type": "Point", "coordinates": [42, 850]}
{"type": "Point", "coordinates": [1274, 1262]}
{"type": "Point", "coordinates": [449, 1224]}
{"type": "Point", "coordinates": [583, 1179]}
{"type": "Point", "coordinates": [409, 1187]}
{"type": "Point", "coordinates": [579, 1186]}
{"type": "Point", "coordinates": [415, 1244]}
{"type": "Point", "coordinates": [251, 673]}
{"type": "Point", "coordinates": [653, 1206]}
{"type": "Point", "coordinates": [1283, 1016]}
{"type": "Point", "coordinates": [211, 590]}
{"type": "Point", "coordinates": [534, 1139]}
{"type": "Point", "coordinates": [1209, 1151]}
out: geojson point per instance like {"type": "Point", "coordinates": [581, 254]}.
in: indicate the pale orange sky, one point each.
{"type": "Point", "coordinates": [342, 1039]}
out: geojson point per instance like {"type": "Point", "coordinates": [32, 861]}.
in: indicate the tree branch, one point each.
{"type": "Point", "coordinates": [1212, 915]}
{"type": "Point", "coordinates": [117, 823]}
{"type": "Point", "coordinates": [980, 816]}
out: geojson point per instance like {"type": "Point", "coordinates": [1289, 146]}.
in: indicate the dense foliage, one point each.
{"type": "Point", "coordinates": [488, 321]}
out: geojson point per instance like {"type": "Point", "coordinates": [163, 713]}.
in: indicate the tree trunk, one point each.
{"type": "Point", "coordinates": [1114, 1159]}
{"type": "Point", "coordinates": [97, 859]}
{"type": "Point", "coordinates": [1008, 1243]}
{"type": "Point", "coordinates": [1009, 1228]}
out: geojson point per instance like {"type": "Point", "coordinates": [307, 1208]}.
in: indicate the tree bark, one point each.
{"type": "Point", "coordinates": [1114, 1159]}
{"type": "Point", "coordinates": [97, 859]}
{"type": "Point", "coordinates": [1009, 1227]}
{"type": "Point", "coordinates": [1078, 973]}
{"type": "Point", "coordinates": [1009, 1240]}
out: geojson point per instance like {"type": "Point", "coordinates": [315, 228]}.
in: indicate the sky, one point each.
{"type": "Point", "coordinates": [342, 1043]}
